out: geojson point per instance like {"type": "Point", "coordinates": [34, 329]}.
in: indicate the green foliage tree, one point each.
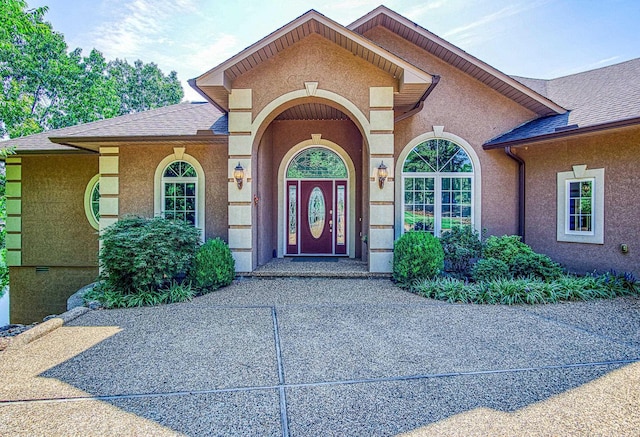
{"type": "Point", "coordinates": [143, 86]}
{"type": "Point", "coordinates": [40, 79]}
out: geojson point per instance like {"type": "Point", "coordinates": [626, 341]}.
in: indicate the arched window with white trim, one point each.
{"type": "Point", "coordinates": [438, 187]}
{"type": "Point", "coordinates": [92, 202]}
{"type": "Point", "coordinates": [180, 192]}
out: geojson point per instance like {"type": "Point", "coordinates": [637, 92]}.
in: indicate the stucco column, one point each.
{"type": "Point", "coordinates": [109, 164]}
{"type": "Point", "coordinates": [240, 206]}
{"type": "Point", "coordinates": [13, 226]}
{"type": "Point", "coordinates": [381, 200]}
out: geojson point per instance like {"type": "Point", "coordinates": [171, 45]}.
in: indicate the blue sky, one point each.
{"type": "Point", "coordinates": [533, 38]}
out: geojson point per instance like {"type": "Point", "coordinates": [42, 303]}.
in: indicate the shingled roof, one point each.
{"type": "Point", "coordinates": [608, 96]}
{"type": "Point", "coordinates": [169, 122]}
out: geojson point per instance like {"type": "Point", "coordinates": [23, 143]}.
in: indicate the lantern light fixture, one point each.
{"type": "Point", "coordinates": [382, 174]}
{"type": "Point", "coordinates": [238, 175]}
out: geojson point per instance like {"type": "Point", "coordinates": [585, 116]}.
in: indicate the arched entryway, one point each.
{"type": "Point", "coordinates": [317, 200]}
{"type": "Point", "coordinates": [316, 214]}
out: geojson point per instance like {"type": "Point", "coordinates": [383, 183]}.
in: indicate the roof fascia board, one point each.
{"type": "Point", "coordinates": [72, 141]}
{"type": "Point", "coordinates": [192, 83]}
{"type": "Point", "coordinates": [216, 77]}
{"type": "Point", "coordinates": [383, 10]}
{"type": "Point", "coordinates": [594, 128]}
{"type": "Point", "coordinates": [74, 151]}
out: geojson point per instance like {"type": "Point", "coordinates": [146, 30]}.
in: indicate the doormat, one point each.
{"type": "Point", "coordinates": [315, 259]}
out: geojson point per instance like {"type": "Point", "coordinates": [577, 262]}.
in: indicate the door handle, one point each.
{"type": "Point", "coordinates": [331, 226]}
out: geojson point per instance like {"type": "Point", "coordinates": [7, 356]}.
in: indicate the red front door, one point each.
{"type": "Point", "coordinates": [316, 217]}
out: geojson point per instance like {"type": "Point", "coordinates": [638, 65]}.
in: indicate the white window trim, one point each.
{"type": "Point", "coordinates": [437, 192]}
{"type": "Point", "coordinates": [200, 185]}
{"type": "Point", "coordinates": [580, 173]}
{"type": "Point", "coordinates": [476, 179]}
{"type": "Point", "coordinates": [567, 221]}
{"type": "Point", "coordinates": [88, 210]}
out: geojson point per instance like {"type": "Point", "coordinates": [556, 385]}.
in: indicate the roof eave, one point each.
{"type": "Point", "coordinates": [217, 77]}
{"type": "Point", "coordinates": [192, 83]}
{"type": "Point", "coordinates": [91, 143]}
{"type": "Point", "coordinates": [594, 128]}
{"type": "Point", "coordinates": [553, 108]}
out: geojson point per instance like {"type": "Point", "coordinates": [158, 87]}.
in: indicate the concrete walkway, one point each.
{"type": "Point", "coordinates": [307, 357]}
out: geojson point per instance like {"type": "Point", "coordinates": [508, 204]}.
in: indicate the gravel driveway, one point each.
{"type": "Point", "coordinates": [307, 357]}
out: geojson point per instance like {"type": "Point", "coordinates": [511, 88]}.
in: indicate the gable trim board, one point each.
{"type": "Point", "coordinates": [371, 106]}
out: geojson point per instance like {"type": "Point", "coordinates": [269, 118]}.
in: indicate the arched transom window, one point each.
{"type": "Point", "coordinates": [180, 192]}
{"type": "Point", "coordinates": [317, 163]}
{"type": "Point", "coordinates": [437, 187]}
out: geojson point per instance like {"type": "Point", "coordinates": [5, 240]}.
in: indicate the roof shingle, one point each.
{"type": "Point", "coordinates": [180, 119]}
{"type": "Point", "coordinates": [592, 97]}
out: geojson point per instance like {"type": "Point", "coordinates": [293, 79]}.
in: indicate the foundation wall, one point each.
{"type": "Point", "coordinates": [59, 247]}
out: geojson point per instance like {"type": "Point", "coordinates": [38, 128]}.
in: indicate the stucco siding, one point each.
{"type": "Point", "coordinates": [472, 111]}
{"type": "Point", "coordinates": [618, 154]}
{"type": "Point", "coordinates": [57, 238]}
{"type": "Point", "coordinates": [55, 229]}
{"type": "Point", "coordinates": [138, 165]}
{"type": "Point", "coordinates": [314, 59]}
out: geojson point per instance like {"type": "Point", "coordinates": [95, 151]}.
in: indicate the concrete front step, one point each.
{"type": "Point", "coordinates": [314, 268]}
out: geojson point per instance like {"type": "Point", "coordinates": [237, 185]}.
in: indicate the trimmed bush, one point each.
{"type": "Point", "coordinates": [504, 248]}
{"type": "Point", "coordinates": [521, 260]}
{"type": "Point", "coordinates": [417, 255]}
{"type": "Point", "coordinates": [214, 266]}
{"type": "Point", "coordinates": [489, 269]}
{"type": "Point", "coordinates": [462, 246]}
{"type": "Point", "coordinates": [534, 265]}
{"type": "Point", "coordinates": [141, 255]}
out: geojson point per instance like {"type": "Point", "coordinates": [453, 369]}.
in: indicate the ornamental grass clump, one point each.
{"type": "Point", "coordinates": [528, 290]}
{"type": "Point", "coordinates": [417, 255]}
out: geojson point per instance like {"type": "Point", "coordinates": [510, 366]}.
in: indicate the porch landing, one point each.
{"type": "Point", "coordinates": [314, 267]}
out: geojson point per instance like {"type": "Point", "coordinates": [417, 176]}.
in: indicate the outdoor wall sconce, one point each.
{"type": "Point", "coordinates": [382, 174]}
{"type": "Point", "coordinates": [238, 175]}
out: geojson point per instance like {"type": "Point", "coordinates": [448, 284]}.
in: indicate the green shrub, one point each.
{"type": "Point", "coordinates": [214, 266]}
{"type": "Point", "coordinates": [461, 245]}
{"type": "Point", "coordinates": [536, 265]}
{"type": "Point", "coordinates": [504, 248]}
{"type": "Point", "coordinates": [4, 271]}
{"type": "Point", "coordinates": [417, 255]}
{"type": "Point", "coordinates": [489, 269]}
{"type": "Point", "coordinates": [141, 255]}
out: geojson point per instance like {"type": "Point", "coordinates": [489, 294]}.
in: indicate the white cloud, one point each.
{"type": "Point", "coordinates": [486, 27]}
{"type": "Point", "coordinates": [135, 26]}
{"type": "Point", "coordinates": [417, 12]}
{"type": "Point", "coordinates": [585, 67]}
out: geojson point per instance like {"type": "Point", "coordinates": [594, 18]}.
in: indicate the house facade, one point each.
{"type": "Point", "coordinates": [328, 140]}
